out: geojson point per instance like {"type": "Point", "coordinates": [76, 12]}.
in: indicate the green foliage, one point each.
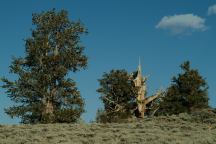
{"type": "Point", "coordinates": [42, 92]}
{"type": "Point", "coordinates": [187, 92]}
{"type": "Point", "coordinates": [118, 93]}
{"type": "Point", "coordinates": [101, 116]}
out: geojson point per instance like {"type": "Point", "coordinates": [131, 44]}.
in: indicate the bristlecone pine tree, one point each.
{"type": "Point", "coordinates": [118, 93]}
{"type": "Point", "coordinates": [187, 92]}
{"type": "Point", "coordinates": [43, 93]}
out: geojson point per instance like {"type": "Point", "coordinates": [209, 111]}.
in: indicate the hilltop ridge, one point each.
{"type": "Point", "coordinates": [199, 127]}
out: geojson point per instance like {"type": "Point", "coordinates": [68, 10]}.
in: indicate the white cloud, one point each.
{"type": "Point", "coordinates": [212, 10]}
{"type": "Point", "coordinates": [185, 23]}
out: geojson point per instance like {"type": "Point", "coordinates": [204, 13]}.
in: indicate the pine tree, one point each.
{"type": "Point", "coordinates": [43, 93]}
{"type": "Point", "coordinates": [118, 93]}
{"type": "Point", "coordinates": [187, 92]}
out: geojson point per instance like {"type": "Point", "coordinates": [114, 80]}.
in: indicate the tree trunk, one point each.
{"type": "Point", "coordinates": [49, 107]}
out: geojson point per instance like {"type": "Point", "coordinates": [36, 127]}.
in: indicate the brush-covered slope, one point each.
{"type": "Point", "coordinates": [199, 128]}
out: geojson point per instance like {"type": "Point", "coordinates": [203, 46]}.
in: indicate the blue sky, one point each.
{"type": "Point", "coordinates": [163, 34]}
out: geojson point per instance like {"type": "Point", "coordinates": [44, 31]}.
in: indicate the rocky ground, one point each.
{"type": "Point", "coordinates": [181, 129]}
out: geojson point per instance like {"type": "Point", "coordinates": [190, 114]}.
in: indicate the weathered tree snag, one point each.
{"type": "Point", "coordinates": [140, 83]}
{"type": "Point", "coordinates": [151, 98]}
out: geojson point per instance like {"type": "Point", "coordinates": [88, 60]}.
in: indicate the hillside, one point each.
{"type": "Point", "coordinates": [199, 129]}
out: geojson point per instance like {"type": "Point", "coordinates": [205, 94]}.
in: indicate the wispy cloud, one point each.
{"type": "Point", "coordinates": [184, 23]}
{"type": "Point", "coordinates": [212, 10]}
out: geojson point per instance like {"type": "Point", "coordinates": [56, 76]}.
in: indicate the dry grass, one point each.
{"type": "Point", "coordinates": [182, 129]}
